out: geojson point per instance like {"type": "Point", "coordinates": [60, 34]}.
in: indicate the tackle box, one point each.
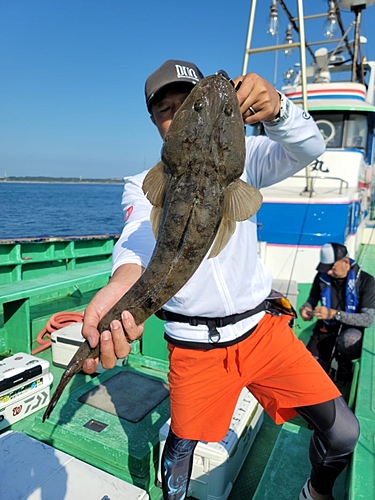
{"type": "Point", "coordinates": [32, 470]}
{"type": "Point", "coordinates": [216, 465]}
{"type": "Point", "coordinates": [24, 387]}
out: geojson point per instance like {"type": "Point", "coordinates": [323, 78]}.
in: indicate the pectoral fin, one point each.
{"type": "Point", "coordinates": [241, 202]}
{"type": "Point", "coordinates": [155, 185]}
{"type": "Point", "coordinates": [155, 218]}
{"type": "Point", "coordinates": [226, 229]}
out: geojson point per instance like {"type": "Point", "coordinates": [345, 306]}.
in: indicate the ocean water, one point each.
{"type": "Point", "coordinates": [32, 210]}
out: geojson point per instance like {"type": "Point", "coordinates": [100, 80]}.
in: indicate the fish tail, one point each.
{"type": "Point", "coordinates": [74, 367]}
{"type": "Point", "coordinates": [56, 395]}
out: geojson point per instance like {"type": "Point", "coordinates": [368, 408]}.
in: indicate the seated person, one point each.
{"type": "Point", "coordinates": [347, 297]}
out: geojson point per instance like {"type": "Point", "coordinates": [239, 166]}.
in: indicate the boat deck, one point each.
{"type": "Point", "coordinates": [287, 467]}
{"type": "Point", "coordinates": [277, 463]}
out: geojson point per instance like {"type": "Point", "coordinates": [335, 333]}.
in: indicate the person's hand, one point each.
{"type": "Point", "coordinates": [306, 313]}
{"type": "Point", "coordinates": [114, 344]}
{"type": "Point", "coordinates": [322, 312]}
{"type": "Point", "coordinates": [259, 101]}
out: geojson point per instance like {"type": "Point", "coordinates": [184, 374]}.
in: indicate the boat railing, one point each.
{"type": "Point", "coordinates": [342, 182]}
{"type": "Point", "coordinates": [27, 258]}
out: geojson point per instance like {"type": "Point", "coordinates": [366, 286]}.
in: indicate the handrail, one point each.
{"type": "Point", "coordinates": [342, 181]}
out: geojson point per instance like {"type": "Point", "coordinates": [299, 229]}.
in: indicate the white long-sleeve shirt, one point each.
{"type": "Point", "coordinates": [236, 280]}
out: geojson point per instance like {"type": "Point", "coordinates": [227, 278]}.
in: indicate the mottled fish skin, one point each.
{"type": "Point", "coordinates": [196, 195]}
{"type": "Point", "coordinates": [84, 352]}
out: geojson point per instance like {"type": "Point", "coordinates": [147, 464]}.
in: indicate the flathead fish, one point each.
{"type": "Point", "coordinates": [197, 197]}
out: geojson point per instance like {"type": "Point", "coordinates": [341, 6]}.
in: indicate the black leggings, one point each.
{"type": "Point", "coordinates": [335, 435]}
{"type": "Point", "coordinates": [336, 432]}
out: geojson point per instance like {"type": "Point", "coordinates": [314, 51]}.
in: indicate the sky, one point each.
{"type": "Point", "coordinates": [72, 74]}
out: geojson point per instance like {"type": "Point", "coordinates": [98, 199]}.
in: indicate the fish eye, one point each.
{"type": "Point", "coordinates": [228, 110]}
{"type": "Point", "coordinates": [198, 105]}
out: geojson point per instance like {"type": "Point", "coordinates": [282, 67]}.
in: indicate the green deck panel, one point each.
{"type": "Point", "coordinates": [152, 351]}
{"type": "Point", "coordinates": [150, 356]}
{"type": "Point", "coordinates": [51, 284]}
{"type": "Point", "coordinates": [362, 469]}
{"type": "Point", "coordinates": [30, 258]}
{"type": "Point", "coordinates": [153, 343]}
{"type": "Point", "coordinates": [303, 329]}
{"type": "Point", "coordinates": [289, 467]}
{"type": "Point", "coordinates": [128, 450]}
{"type": "Point", "coordinates": [365, 398]}
{"type": "Point", "coordinates": [255, 462]}
{"type": "Point", "coordinates": [361, 484]}
{"type": "Point", "coordinates": [23, 302]}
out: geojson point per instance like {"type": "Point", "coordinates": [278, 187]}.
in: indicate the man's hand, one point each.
{"type": "Point", "coordinates": [306, 313]}
{"type": "Point", "coordinates": [322, 312]}
{"type": "Point", "coordinates": [260, 96]}
{"type": "Point", "coordinates": [114, 344]}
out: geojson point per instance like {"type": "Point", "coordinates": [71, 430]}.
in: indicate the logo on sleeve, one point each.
{"type": "Point", "coordinates": [306, 115]}
{"type": "Point", "coordinates": [128, 212]}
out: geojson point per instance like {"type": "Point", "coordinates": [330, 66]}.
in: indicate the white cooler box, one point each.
{"type": "Point", "coordinates": [65, 343]}
{"type": "Point", "coordinates": [31, 470]}
{"type": "Point", "coordinates": [24, 387]}
{"type": "Point", "coordinates": [216, 465]}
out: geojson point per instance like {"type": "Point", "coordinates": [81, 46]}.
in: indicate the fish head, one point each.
{"type": "Point", "coordinates": [207, 131]}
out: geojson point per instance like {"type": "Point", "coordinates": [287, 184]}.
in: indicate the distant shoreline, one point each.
{"type": "Point", "coordinates": [61, 181]}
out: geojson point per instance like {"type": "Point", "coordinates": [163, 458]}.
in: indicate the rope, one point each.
{"type": "Point", "coordinates": [56, 321]}
{"type": "Point", "coordinates": [300, 235]}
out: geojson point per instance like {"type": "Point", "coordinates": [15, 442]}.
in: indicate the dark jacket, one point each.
{"type": "Point", "coordinates": [362, 318]}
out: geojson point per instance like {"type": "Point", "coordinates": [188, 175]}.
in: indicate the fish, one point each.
{"type": "Point", "coordinates": [197, 197]}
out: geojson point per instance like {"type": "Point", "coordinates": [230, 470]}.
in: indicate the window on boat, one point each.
{"type": "Point", "coordinates": [346, 130]}
{"type": "Point", "coordinates": [356, 131]}
{"type": "Point", "coordinates": [340, 129]}
{"type": "Point", "coordinates": [331, 126]}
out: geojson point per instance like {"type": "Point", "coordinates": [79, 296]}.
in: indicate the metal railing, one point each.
{"type": "Point", "coordinates": [314, 178]}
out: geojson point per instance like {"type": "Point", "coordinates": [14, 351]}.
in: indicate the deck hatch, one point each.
{"type": "Point", "coordinates": [95, 425]}
{"type": "Point", "coordinates": [127, 395]}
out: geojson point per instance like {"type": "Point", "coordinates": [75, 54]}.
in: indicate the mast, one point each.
{"type": "Point", "coordinates": [301, 44]}
{"type": "Point", "coordinates": [249, 36]}
{"type": "Point", "coordinates": [357, 67]}
{"type": "Point", "coordinates": [318, 68]}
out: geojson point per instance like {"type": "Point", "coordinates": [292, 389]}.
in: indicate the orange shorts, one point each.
{"type": "Point", "coordinates": [272, 363]}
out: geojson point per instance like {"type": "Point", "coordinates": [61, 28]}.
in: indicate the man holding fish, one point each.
{"type": "Point", "coordinates": [221, 336]}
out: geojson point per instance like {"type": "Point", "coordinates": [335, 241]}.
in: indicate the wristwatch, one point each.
{"type": "Point", "coordinates": [284, 111]}
{"type": "Point", "coordinates": [337, 316]}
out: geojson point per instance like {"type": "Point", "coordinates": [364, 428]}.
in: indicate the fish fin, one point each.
{"type": "Point", "coordinates": [242, 201]}
{"type": "Point", "coordinates": [155, 218]}
{"type": "Point", "coordinates": [155, 185]}
{"type": "Point", "coordinates": [226, 229]}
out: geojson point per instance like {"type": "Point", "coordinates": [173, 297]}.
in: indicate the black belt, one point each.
{"type": "Point", "coordinates": [212, 323]}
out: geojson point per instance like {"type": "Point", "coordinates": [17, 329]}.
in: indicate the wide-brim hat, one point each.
{"type": "Point", "coordinates": [172, 71]}
{"type": "Point", "coordinates": [329, 254]}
